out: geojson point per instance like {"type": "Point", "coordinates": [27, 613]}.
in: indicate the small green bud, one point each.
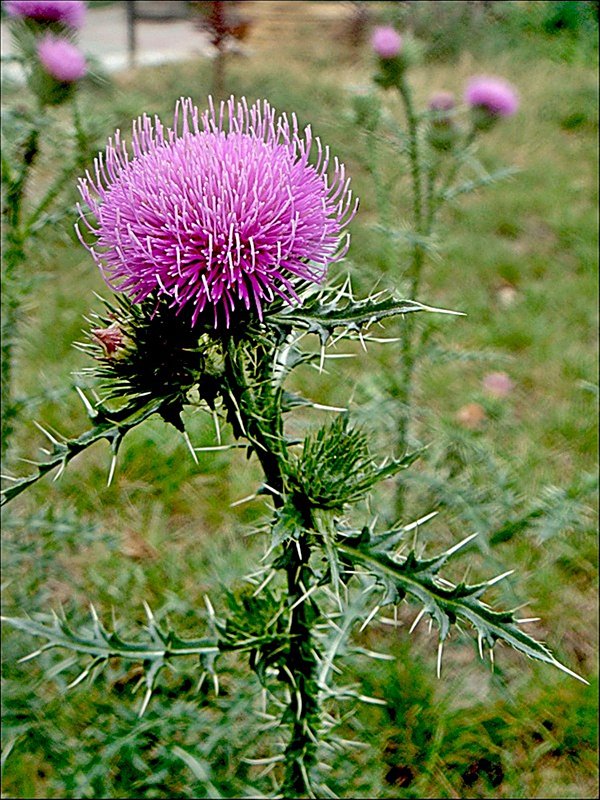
{"type": "Point", "coordinates": [367, 111]}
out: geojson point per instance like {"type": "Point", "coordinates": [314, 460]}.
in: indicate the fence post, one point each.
{"type": "Point", "coordinates": [131, 43]}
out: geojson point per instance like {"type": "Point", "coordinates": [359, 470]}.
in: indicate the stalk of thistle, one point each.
{"type": "Point", "coordinates": [53, 66]}
{"type": "Point", "coordinates": [436, 149]}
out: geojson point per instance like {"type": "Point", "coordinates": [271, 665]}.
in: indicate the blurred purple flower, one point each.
{"type": "Point", "coordinates": [442, 101]}
{"type": "Point", "coordinates": [386, 42]}
{"type": "Point", "coordinates": [493, 95]}
{"type": "Point", "coordinates": [498, 384]}
{"type": "Point", "coordinates": [61, 59]}
{"type": "Point", "coordinates": [222, 211]}
{"type": "Point", "coordinates": [443, 132]}
{"type": "Point", "coordinates": [68, 12]}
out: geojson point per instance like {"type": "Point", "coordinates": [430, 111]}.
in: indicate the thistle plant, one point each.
{"type": "Point", "coordinates": [217, 236]}
{"type": "Point", "coordinates": [53, 66]}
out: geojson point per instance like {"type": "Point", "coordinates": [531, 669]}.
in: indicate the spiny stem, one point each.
{"type": "Point", "coordinates": [300, 670]}
{"type": "Point", "coordinates": [13, 257]}
{"type": "Point", "coordinates": [407, 356]}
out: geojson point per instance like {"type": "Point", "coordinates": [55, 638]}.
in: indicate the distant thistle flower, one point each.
{"type": "Point", "coordinates": [222, 212]}
{"type": "Point", "coordinates": [494, 96]}
{"type": "Point", "coordinates": [443, 131]}
{"type": "Point", "coordinates": [61, 59]}
{"type": "Point", "coordinates": [386, 42]}
{"type": "Point", "coordinates": [70, 13]}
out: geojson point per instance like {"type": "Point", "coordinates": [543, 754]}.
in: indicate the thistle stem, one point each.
{"type": "Point", "coordinates": [14, 256]}
{"type": "Point", "coordinates": [262, 420]}
{"type": "Point", "coordinates": [407, 350]}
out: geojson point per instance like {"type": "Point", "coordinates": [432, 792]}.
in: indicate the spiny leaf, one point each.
{"type": "Point", "coordinates": [445, 602]}
{"type": "Point", "coordinates": [63, 452]}
{"type": "Point", "coordinates": [323, 314]}
{"type": "Point", "coordinates": [108, 644]}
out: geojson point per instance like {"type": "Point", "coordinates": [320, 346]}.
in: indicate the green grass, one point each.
{"type": "Point", "coordinates": [164, 531]}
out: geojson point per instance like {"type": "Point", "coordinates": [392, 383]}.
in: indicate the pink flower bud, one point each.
{"type": "Point", "coordinates": [61, 59]}
{"type": "Point", "coordinates": [492, 95]}
{"type": "Point", "coordinates": [111, 338]}
{"type": "Point", "coordinates": [386, 42]}
{"type": "Point", "coordinates": [442, 101]}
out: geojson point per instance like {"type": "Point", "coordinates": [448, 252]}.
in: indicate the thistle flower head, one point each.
{"type": "Point", "coordinates": [386, 42]}
{"type": "Point", "coordinates": [494, 96]}
{"type": "Point", "coordinates": [61, 59]}
{"type": "Point", "coordinates": [220, 213]}
{"type": "Point", "coordinates": [70, 13]}
{"type": "Point", "coordinates": [443, 131]}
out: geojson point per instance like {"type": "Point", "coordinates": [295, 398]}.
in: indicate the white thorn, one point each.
{"type": "Point", "coordinates": [328, 408]}
{"type": "Point", "coordinates": [186, 439]}
{"type": "Point", "coordinates": [569, 672]}
{"type": "Point", "coordinates": [243, 500]}
{"type": "Point", "coordinates": [111, 472]}
{"type": "Point", "coordinates": [480, 644]}
{"type": "Point", "coordinates": [80, 678]}
{"type": "Point", "coordinates": [439, 659]}
{"type": "Point", "coordinates": [209, 606]}
{"type": "Point", "coordinates": [499, 578]}
{"type": "Point", "coordinates": [464, 543]}
{"type": "Point", "coordinates": [91, 411]}
{"type": "Point", "coordinates": [375, 701]}
{"type": "Point", "coordinates": [30, 656]}
{"type": "Point", "coordinates": [148, 611]}
{"type": "Point", "coordinates": [145, 702]}
{"type": "Point", "coordinates": [369, 618]}
{"type": "Point", "coordinates": [421, 521]}
{"type": "Point", "coordinates": [47, 434]}
{"type": "Point", "coordinates": [417, 620]}
{"type": "Point", "coordinates": [61, 469]}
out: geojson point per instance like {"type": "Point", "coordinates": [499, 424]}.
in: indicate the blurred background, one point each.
{"type": "Point", "coordinates": [520, 259]}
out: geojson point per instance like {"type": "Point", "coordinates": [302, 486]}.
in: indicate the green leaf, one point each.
{"type": "Point", "coordinates": [324, 313]}
{"type": "Point", "coordinates": [63, 452]}
{"type": "Point", "coordinates": [446, 602]}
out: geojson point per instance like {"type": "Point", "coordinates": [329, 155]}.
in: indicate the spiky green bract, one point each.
{"type": "Point", "coordinates": [336, 468]}
{"type": "Point", "coordinates": [155, 354]}
{"type": "Point", "coordinates": [258, 621]}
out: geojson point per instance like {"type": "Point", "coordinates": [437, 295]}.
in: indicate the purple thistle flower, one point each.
{"type": "Point", "coordinates": [493, 95]}
{"type": "Point", "coordinates": [68, 12]}
{"type": "Point", "coordinates": [61, 59]}
{"type": "Point", "coordinates": [222, 211]}
{"type": "Point", "coordinates": [386, 42]}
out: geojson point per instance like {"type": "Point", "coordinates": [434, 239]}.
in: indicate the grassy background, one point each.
{"type": "Point", "coordinates": [164, 532]}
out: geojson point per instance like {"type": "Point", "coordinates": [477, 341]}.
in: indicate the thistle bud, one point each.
{"type": "Point", "coordinates": [443, 131]}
